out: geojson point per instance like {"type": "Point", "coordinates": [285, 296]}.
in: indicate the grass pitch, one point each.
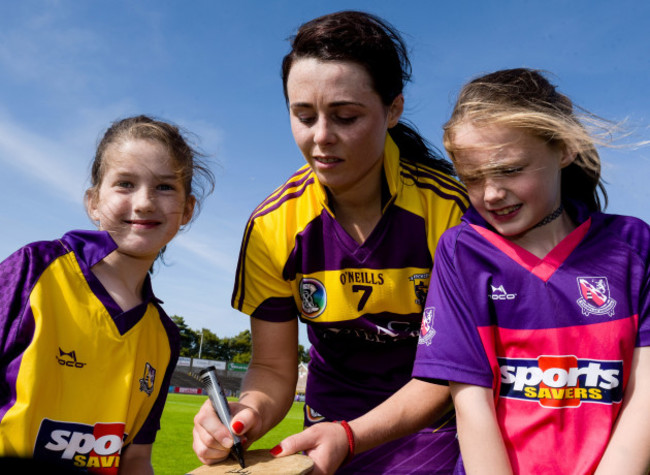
{"type": "Point", "coordinates": [172, 451]}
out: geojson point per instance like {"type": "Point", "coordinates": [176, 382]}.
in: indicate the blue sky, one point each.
{"type": "Point", "coordinates": [69, 68]}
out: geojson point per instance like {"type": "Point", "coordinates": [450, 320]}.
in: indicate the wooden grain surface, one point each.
{"type": "Point", "coordinates": [260, 462]}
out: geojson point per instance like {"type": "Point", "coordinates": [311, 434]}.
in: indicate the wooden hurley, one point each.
{"type": "Point", "coordinates": [259, 462]}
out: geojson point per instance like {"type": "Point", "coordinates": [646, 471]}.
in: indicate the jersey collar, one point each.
{"type": "Point", "coordinates": [89, 248]}
{"type": "Point", "coordinates": [545, 267]}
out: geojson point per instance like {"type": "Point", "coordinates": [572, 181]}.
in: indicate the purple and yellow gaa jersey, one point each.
{"type": "Point", "coordinates": [553, 337]}
{"type": "Point", "coordinates": [362, 303]}
{"type": "Point", "coordinates": [80, 378]}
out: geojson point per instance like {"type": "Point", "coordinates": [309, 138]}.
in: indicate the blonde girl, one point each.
{"type": "Point", "coordinates": [538, 311]}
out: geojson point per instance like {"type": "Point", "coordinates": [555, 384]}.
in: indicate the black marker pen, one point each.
{"type": "Point", "coordinates": [220, 404]}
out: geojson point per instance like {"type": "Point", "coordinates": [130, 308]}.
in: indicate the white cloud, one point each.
{"type": "Point", "coordinates": [42, 159]}
{"type": "Point", "coordinates": [44, 48]}
{"type": "Point", "coordinates": [207, 249]}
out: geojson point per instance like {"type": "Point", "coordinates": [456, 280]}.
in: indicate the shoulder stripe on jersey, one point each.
{"type": "Point", "coordinates": [271, 205]}
{"type": "Point", "coordinates": [292, 182]}
{"type": "Point", "coordinates": [439, 177]}
{"type": "Point", "coordinates": [454, 194]}
{"type": "Point", "coordinates": [239, 272]}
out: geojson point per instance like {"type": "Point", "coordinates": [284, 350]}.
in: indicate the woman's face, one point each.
{"type": "Point", "coordinates": [513, 178]}
{"type": "Point", "coordinates": [339, 122]}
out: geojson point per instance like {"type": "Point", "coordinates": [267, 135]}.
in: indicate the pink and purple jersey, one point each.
{"type": "Point", "coordinates": [553, 337]}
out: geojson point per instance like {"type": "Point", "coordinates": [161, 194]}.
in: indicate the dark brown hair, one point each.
{"type": "Point", "coordinates": [197, 178]}
{"type": "Point", "coordinates": [378, 47]}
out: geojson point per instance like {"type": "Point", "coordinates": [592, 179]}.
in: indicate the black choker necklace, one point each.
{"type": "Point", "coordinates": [554, 215]}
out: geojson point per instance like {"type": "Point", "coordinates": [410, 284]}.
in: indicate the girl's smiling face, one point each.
{"type": "Point", "coordinates": [141, 200]}
{"type": "Point", "coordinates": [338, 121]}
{"type": "Point", "coordinates": [513, 178]}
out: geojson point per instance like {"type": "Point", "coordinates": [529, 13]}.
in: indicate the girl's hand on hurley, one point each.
{"type": "Point", "coordinates": [211, 439]}
{"type": "Point", "coordinates": [325, 443]}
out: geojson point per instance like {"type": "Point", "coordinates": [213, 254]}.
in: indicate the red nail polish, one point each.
{"type": "Point", "coordinates": [237, 426]}
{"type": "Point", "coordinates": [276, 450]}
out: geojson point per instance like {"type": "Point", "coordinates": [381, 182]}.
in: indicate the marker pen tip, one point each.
{"type": "Point", "coordinates": [239, 453]}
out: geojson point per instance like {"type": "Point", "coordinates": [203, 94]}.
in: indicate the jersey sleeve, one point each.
{"type": "Point", "coordinates": [14, 297]}
{"type": "Point", "coordinates": [643, 337]}
{"type": "Point", "coordinates": [633, 235]}
{"type": "Point", "coordinates": [260, 289]}
{"type": "Point", "coordinates": [18, 275]}
{"type": "Point", "coordinates": [450, 347]}
{"type": "Point", "coordinates": [151, 426]}
{"type": "Point", "coordinates": [147, 433]}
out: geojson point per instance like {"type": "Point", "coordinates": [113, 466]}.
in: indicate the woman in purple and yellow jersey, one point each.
{"type": "Point", "coordinates": [346, 246]}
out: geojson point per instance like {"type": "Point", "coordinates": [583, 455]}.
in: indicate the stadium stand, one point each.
{"type": "Point", "coordinates": [184, 380]}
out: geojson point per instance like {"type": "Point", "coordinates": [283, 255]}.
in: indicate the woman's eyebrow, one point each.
{"type": "Point", "coordinates": [306, 105]}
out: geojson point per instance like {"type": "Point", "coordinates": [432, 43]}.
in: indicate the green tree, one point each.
{"type": "Point", "coordinates": [240, 347]}
{"type": "Point", "coordinates": [210, 345]}
{"type": "Point", "coordinates": [189, 337]}
{"type": "Point", "coordinates": [236, 349]}
{"type": "Point", "coordinates": [225, 349]}
{"type": "Point", "coordinates": [303, 355]}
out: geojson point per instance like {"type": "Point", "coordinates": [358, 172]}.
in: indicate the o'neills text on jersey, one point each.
{"type": "Point", "coordinates": [361, 277]}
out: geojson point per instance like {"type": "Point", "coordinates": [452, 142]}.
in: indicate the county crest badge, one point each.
{"type": "Point", "coordinates": [420, 286]}
{"type": "Point", "coordinates": [595, 297]}
{"type": "Point", "coordinates": [148, 379]}
{"type": "Point", "coordinates": [313, 297]}
{"type": "Point", "coordinates": [426, 329]}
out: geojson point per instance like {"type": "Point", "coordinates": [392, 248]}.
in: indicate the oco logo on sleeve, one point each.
{"type": "Point", "coordinates": [561, 381]}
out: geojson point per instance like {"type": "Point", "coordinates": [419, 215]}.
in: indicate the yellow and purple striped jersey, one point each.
{"type": "Point", "coordinates": [80, 378]}
{"type": "Point", "coordinates": [362, 302]}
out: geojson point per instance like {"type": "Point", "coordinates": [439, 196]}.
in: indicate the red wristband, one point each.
{"type": "Point", "coordinates": [348, 431]}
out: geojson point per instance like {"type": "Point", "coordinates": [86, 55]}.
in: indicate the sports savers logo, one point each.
{"type": "Point", "coordinates": [561, 381]}
{"type": "Point", "coordinates": [96, 448]}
